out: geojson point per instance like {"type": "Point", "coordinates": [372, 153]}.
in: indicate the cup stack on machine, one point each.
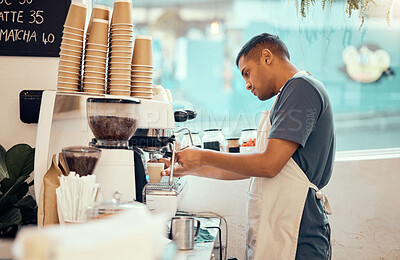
{"type": "Point", "coordinates": [94, 76]}
{"type": "Point", "coordinates": [142, 68]}
{"type": "Point", "coordinates": [113, 63]}
{"type": "Point", "coordinates": [119, 67]}
{"type": "Point", "coordinates": [96, 51]}
{"type": "Point", "coordinates": [69, 70]}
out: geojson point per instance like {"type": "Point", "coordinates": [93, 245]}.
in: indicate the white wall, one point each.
{"type": "Point", "coordinates": [363, 195]}
{"type": "Point", "coordinates": [16, 74]}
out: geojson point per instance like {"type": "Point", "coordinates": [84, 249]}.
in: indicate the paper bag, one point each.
{"type": "Point", "coordinates": [47, 206]}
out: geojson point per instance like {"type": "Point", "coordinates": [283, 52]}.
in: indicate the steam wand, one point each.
{"type": "Point", "coordinates": [171, 175]}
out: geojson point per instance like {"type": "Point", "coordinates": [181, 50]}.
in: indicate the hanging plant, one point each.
{"type": "Point", "coordinates": [351, 5]}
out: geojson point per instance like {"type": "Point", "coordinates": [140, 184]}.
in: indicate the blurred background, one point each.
{"type": "Point", "coordinates": [195, 43]}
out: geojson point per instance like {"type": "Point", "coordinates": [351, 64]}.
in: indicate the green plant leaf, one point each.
{"type": "Point", "coordinates": [28, 208]}
{"type": "Point", "coordinates": [13, 191]}
{"type": "Point", "coordinates": [3, 167]}
{"type": "Point", "coordinates": [11, 217]}
{"type": "Point", "coordinates": [5, 185]}
{"type": "Point", "coordinates": [20, 161]}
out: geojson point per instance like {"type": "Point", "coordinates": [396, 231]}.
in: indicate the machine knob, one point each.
{"type": "Point", "coordinates": [191, 114]}
{"type": "Point", "coordinates": [180, 115]}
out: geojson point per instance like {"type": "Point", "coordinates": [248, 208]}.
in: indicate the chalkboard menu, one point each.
{"type": "Point", "coordinates": [32, 27]}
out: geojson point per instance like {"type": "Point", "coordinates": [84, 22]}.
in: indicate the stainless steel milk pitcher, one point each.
{"type": "Point", "coordinates": [182, 232]}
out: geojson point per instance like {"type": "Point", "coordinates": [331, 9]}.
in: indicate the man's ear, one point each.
{"type": "Point", "coordinates": [267, 55]}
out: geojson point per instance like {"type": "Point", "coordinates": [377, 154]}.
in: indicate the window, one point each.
{"type": "Point", "coordinates": [195, 44]}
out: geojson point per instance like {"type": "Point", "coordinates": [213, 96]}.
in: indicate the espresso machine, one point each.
{"type": "Point", "coordinates": [63, 122]}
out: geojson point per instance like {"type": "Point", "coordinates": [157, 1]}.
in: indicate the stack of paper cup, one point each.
{"type": "Point", "coordinates": [119, 66]}
{"type": "Point", "coordinates": [142, 68]}
{"type": "Point", "coordinates": [69, 69]}
{"type": "Point", "coordinates": [94, 76]}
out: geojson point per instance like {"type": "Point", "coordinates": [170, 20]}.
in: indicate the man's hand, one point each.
{"type": "Point", "coordinates": [190, 159]}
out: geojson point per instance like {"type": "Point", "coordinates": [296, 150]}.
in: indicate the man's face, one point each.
{"type": "Point", "coordinates": [257, 76]}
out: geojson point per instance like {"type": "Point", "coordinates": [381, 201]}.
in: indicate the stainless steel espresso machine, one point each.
{"type": "Point", "coordinates": [63, 122]}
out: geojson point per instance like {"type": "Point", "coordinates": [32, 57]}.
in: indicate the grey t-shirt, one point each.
{"type": "Point", "coordinates": [303, 114]}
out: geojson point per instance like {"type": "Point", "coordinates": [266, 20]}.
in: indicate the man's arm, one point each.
{"type": "Point", "coordinates": [207, 172]}
{"type": "Point", "coordinates": [264, 164]}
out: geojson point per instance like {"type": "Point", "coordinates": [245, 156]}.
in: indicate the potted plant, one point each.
{"type": "Point", "coordinates": [16, 207]}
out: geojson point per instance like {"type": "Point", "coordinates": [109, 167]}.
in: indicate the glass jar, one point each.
{"type": "Point", "coordinates": [213, 139]}
{"type": "Point", "coordinates": [233, 145]}
{"type": "Point", "coordinates": [186, 140]}
{"type": "Point", "coordinates": [247, 140]}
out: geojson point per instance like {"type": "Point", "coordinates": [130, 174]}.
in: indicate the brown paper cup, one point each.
{"type": "Point", "coordinates": [141, 83]}
{"type": "Point", "coordinates": [142, 78]}
{"type": "Point", "coordinates": [121, 26]}
{"type": "Point", "coordinates": [63, 73]}
{"type": "Point", "coordinates": [95, 63]}
{"type": "Point", "coordinates": [122, 12]}
{"type": "Point", "coordinates": [98, 80]}
{"type": "Point", "coordinates": [143, 51]}
{"type": "Point", "coordinates": [119, 71]}
{"type": "Point", "coordinates": [94, 91]}
{"type": "Point", "coordinates": [140, 95]}
{"type": "Point", "coordinates": [76, 16]}
{"type": "Point", "coordinates": [99, 32]}
{"type": "Point", "coordinates": [120, 76]}
{"type": "Point", "coordinates": [94, 74]}
{"type": "Point", "coordinates": [120, 65]}
{"type": "Point", "coordinates": [100, 85]}
{"type": "Point", "coordinates": [73, 36]}
{"type": "Point", "coordinates": [95, 58]}
{"type": "Point", "coordinates": [97, 69]}
{"type": "Point", "coordinates": [71, 47]}
{"type": "Point", "coordinates": [114, 86]}
{"type": "Point", "coordinates": [96, 53]}
{"type": "Point", "coordinates": [73, 80]}
{"type": "Point", "coordinates": [126, 43]}
{"type": "Point", "coordinates": [69, 41]}
{"type": "Point", "coordinates": [121, 37]}
{"type": "Point", "coordinates": [119, 59]}
{"type": "Point", "coordinates": [71, 86]}
{"type": "Point", "coordinates": [142, 73]}
{"type": "Point", "coordinates": [142, 88]}
{"type": "Point", "coordinates": [125, 82]}
{"type": "Point", "coordinates": [70, 53]}
{"type": "Point", "coordinates": [119, 93]}
{"type": "Point", "coordinates": [121, 48]}
{"type": "Point", "coordinates": [74, 58]}
{"type": "Point", "coordinates": [67, 68]}
{"type": "Point", "coordinates": [95, 46]}
{"type": "Point", "coordinates": [73, 30]}
{"type": "Point", "coordinates": [98, 12]}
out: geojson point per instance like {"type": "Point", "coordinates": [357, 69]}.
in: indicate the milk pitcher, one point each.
{"type": "Point", "coordinates": [182, 232]}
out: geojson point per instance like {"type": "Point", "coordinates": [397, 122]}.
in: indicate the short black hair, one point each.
{"type": "Point", "coordinates": [264, 41]}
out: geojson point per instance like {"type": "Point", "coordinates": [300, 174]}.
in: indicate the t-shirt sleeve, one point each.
{"type": "Point", "coordinates": [296, 112]}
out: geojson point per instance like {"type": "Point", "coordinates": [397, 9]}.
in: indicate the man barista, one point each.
{"type": "Point", "coordinates": [294, 159]}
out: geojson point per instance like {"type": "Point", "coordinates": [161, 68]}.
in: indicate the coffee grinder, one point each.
{"type": "Point", "coordinates": [113, 122]}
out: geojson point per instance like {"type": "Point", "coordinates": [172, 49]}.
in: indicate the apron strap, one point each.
{"type": "Point", "coordinates": [320, 195]}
